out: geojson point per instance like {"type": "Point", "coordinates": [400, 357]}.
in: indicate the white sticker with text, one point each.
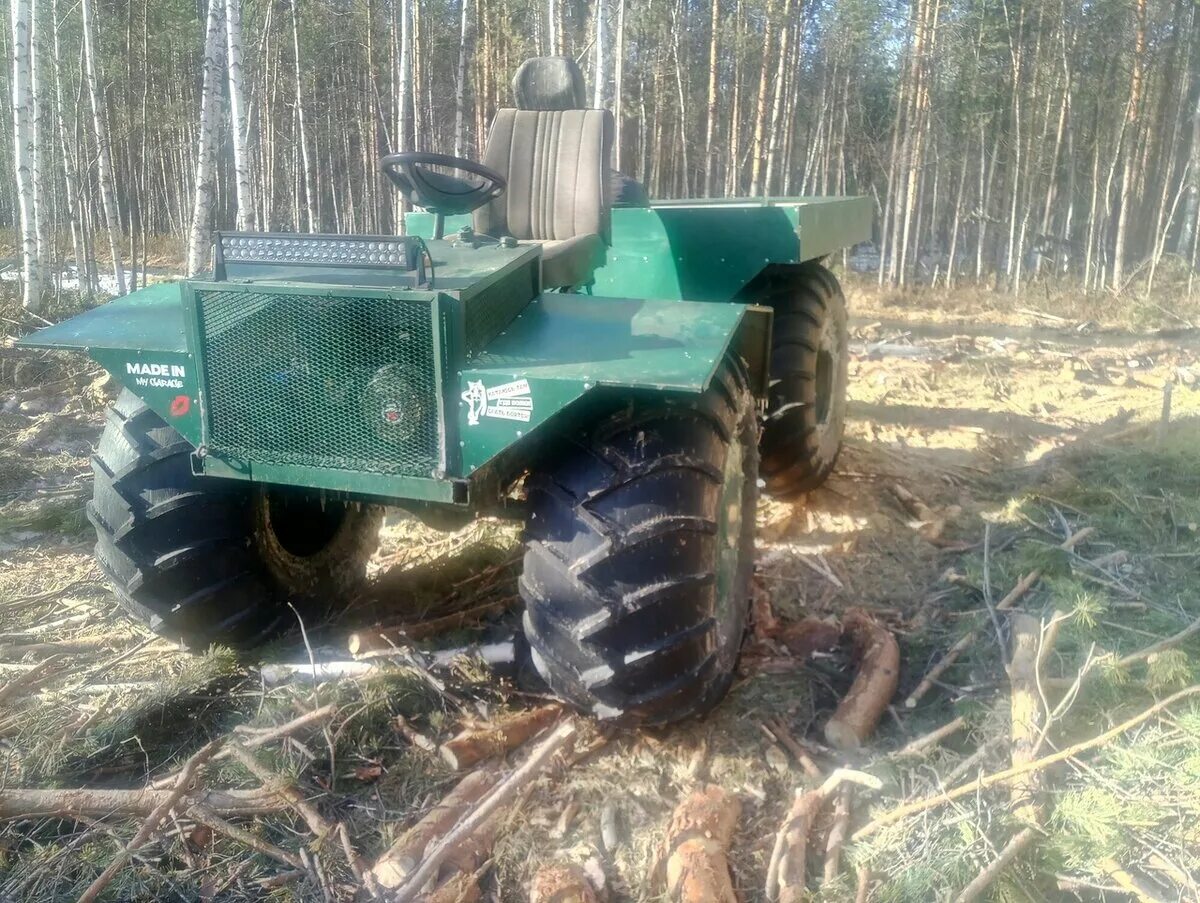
{"type": "Point", "coordinates": [508, 401]}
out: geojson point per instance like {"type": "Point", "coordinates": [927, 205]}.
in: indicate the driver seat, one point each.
{"type": "Point", "coordinates": [555, 156]}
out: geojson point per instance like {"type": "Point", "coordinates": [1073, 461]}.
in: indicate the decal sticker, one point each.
{"type": "Point", "coordinates": [156, 376]}
{"type": "Point", "coordinates": [180, 405]}
{"type": "Point", "coordinates": [509, 401]}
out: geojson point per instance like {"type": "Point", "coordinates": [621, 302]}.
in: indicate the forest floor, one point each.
{"type": "Point", "coordinates": [979, 439]}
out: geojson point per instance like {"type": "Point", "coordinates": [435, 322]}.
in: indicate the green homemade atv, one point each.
{"type": "Point", "coordinates": [623, 376]}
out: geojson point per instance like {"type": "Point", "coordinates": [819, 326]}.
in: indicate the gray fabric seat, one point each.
{"type": "Point", "coordinates": [556, 161]}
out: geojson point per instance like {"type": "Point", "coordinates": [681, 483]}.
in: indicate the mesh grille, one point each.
{"type": "Point", "coordinates": [346, 383]}
{"type": "Point", "coordinates": [488, 315]}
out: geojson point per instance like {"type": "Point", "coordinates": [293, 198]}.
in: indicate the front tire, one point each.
{"type": "Point", "coordinates": [202, 560]}
{"type": "Point", "coordinates": [639, 554]}
{"type": "Point", "coordinates": [806, 409]}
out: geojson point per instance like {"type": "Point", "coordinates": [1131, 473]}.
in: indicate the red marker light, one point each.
{"type": "Point", "coordinates": [180, 405]}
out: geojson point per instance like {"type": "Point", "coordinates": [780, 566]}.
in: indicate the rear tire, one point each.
{"type": "Point", "coordinates": [806, 408]}
{"type": "Point", "coordinates": [640, 549]}
{"type": "Point", "coordinates": [202, 560]}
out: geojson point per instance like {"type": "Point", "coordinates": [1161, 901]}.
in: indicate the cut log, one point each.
{"type": "Point", "coordinates": [874, 686]}
{"type": "Point", "coordinates": [403, 857]}
{"type": "Point", "coordinates": [475, 744]}
{"type": "Point", "coordinates": [696, 849]}
{"type": "Point", "coordinates": [31, 679]}
{"type": "Point", "coordinates": [561, 883]}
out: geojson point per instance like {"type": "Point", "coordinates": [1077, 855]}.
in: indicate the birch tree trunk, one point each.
{"type": "Point", "coordinates": [554, 45]}
{"type": "Point", "coordinates": [618, 84]}
{"type": "Point", "coordinates": [760, 115]}
{"type": "Point", "coordinates": [41, 204]}
{"type": "Point", "coordinates": [601, 76]}
{"type": "Point", "coordinates": [310, 204]}
{"type": "Point", "coordinates": [710, 125]}
{"type": "Point", "coordinates": [1130, 163]}
{"type": "Point", "coordinates": [70, 174]}
{"type": "Point", "coordinates": [460, 92]}
{"type": "Point", "coordinates": [108, 193]}
{"type": "Point", "coordinates": [237, 115]}
{"type": "Point", "coordinates": [23, 151]}
{"type": "Point", "coordinates": [199, 239]}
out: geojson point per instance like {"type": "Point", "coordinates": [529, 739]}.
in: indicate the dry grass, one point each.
{"type": "Point", "coordinates": [981, 429]}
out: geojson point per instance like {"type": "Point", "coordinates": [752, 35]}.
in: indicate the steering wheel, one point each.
{"type": "Point", "coordinates": [437, 192]}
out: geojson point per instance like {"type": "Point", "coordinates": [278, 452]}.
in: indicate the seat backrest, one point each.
{"type": "Point", "coordinates": [554, 155]}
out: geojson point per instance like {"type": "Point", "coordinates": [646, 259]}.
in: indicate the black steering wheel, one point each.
{"type": "Point", "coordinates": [442, 195]}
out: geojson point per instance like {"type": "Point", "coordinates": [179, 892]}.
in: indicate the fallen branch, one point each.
{"type": "Point", "coordinates": [206, 816]}
{"type": "Point", "coordinates": [786, 870]}
{"type": "Point", "coordinates": [262, 738]}
{"type": "Point", "coordinates": [878, 674]}
{"type": "Point", "coordinates": [285, 789]}
{"type": "Point", "coordinates": [30, 680]}
{"type": "Point", "coordinates": [992, 870]}
{"type": "Point", "coordinates": [182, 785]}
{"type": "Point", "coordinates": [97, 801]}
{"type": "Point", "coordinates": [499, 795]}
{"type": "Point", "coordinates": [484, 742]}
{"type": "Point", "coordinates": [1026, 711]}
{"type": "Point", "coordinates": [696, 848]}
{"type": "Point", "coordinates": [1131, 884]}
{"type": "Point", "coordinates": [779, 730]}
{"type": "Point", "coordinates": [1000, 777]}
{"type": "Point", "coordinates": [561, 883]}
{"type": "Point", "coordinates": [1023, 586]}
{"type": "Point", "coordinates": [404, 856]}
{"type": "Point", "coordinates": [386, 638]}
{"type": "Point", "coordinates": [836, 839]}
{"type": "Point", "coordinates": [934, 737]}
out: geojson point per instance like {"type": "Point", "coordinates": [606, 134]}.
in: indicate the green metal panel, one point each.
{"type": "Point", "coordinates": [709, 249]}
{"type": "Point", "coordinates": [563, 346]}
{"type": "Point", "coordinates": [150, 319]}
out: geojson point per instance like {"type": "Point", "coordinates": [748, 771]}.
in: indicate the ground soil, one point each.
{"type": "Point", "coordinates": [962, 406]}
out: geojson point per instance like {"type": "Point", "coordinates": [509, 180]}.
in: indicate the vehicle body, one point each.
{"type": "Point", "coordinates": [273, 406]}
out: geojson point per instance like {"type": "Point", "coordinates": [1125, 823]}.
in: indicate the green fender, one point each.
{"type": "Point", "coordinates": [559, 350]}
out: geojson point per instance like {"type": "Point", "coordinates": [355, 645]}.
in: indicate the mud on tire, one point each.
{"type": "Point", "coordinates": [201, 560]}
{"type": "Point", "coordinates": [806, 409]}
{"type": "Point", "coordinates": [639, 553]}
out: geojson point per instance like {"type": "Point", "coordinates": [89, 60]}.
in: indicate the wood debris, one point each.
{"type": "Point", "coordinates": [696, 848]}
{"type": "Point", "coordinates": [878, 657]}
{"type": "Point", "coordinates": [561, 883]}
{"type": "Point", "coordinates": [484, 741]}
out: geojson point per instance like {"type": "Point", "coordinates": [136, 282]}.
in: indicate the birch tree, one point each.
{"type": "Point", "coordinates": [22, 106]}
{"type": "Point", "coordinates": [104, 165]}
{"type": "Point", "coordinates": [601, 75]}
{"type": "Point", "coordinates": [465, 37]}
{"type": "Point", "coordinates": [200, 237]}
{"type": "Point", "coordinates": [237, 114]}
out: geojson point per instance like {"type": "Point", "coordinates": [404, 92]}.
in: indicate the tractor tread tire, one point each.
{"type": "Point", "coordinates": [180, 550]}
{"type": "Point", "coordinates": [799, 450]}
{"type": "Point", "coordinates": [622, 612]}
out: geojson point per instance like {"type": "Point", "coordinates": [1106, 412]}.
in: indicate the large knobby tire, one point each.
{"type": "Point", "coordinates": [639, 554]}
{"type": "Point", "coordinates": [202, 560]}
{"type": "Point", "coordinates": [806, 408]}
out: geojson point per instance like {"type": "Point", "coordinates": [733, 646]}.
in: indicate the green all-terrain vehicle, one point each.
{"type": "Point", "coordinates": [621, 375]}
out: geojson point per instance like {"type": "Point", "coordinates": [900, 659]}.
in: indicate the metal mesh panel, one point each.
{"type": "Point", "coordinates": [488, 315]}
{"type": "Point", "coordinates": [344, 382]}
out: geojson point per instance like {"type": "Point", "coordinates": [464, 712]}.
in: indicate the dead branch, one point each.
{"type": "Point", "coordinates": [561, 883]}
{"type": "Point", "coordinates": [1000, 777]}
{"type": "Point", "coordinates": [784, 736]}
{"type": "Point", "coordinates": [992, 870]}
{"type": "Point", "coordinates": [66, 647]}
{"type": "Point", "coordinates": [284, 788]}
{"type": "Point", "coordinates": [1023, 586]}
{"type": "Point", "coordinates": [696, 847]}
{"type": "Point", "coordinates": [206, 816]}
{"type": "Point", "coordinates": [262, 738]}
{"type": "Point", "coordinates": [786, 870]}
{"type": "Point", "coordinates": [838, 832]}
{"type": "Point", "coordinates": [878, 674]}
{"type": "Point", "coordinates": [182, 785]}
{"type": "Point", "coordinates": [96, 801]}
{"type": "Point", "coordinates": [933, 738]}
{"type": "Point", "coordinates": [478, 743]}
{"type": "Point", "coordinates": [1026, 711]}
{"type": "Point", "coordinates": [30, 680]}
{"type": "Point", "coordinates": [1161, 646]}
{"type": "Point", "coordinates": [385, 638]}
{"type": "Point", "coordinates": [499, 795]}
{"type": "Point", "coordinates": [403, 857]}
{"type": "Point", "coordinates": [1131, 884]}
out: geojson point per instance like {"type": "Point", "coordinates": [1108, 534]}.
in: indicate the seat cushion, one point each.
{"type": "Point", "coordinates": [571, 261]}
